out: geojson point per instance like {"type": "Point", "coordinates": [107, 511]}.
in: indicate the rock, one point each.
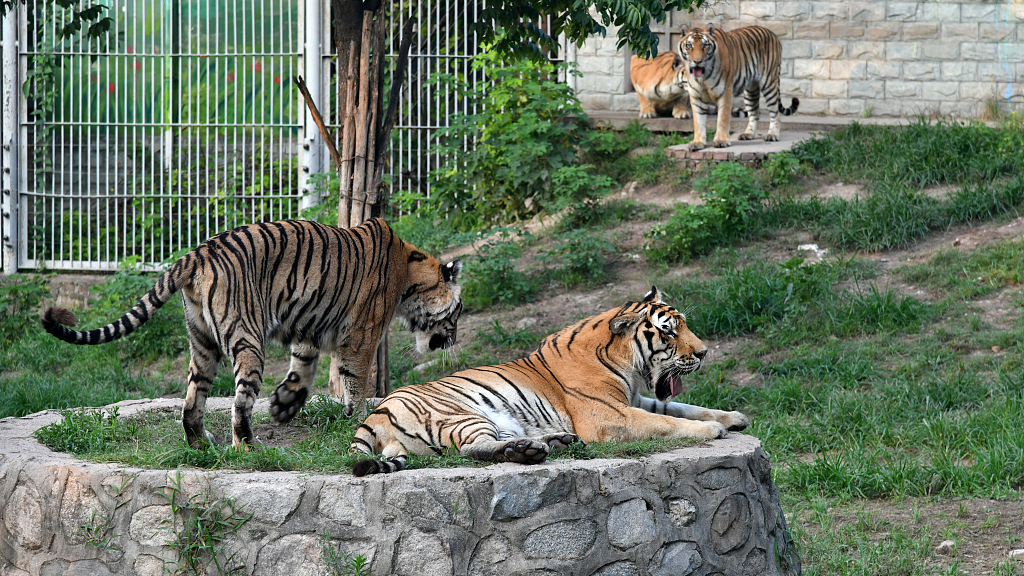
{"type": "Point", "coordinates": [422, 554]}
{"type": "Point", "coordinates": [270, 501]}
{"type": "Point", "coordinates": [1018, 554]}
{"type": "Point", "coordinates": [621, 568]}
{"type": "Point", "coordinates": [755, 562]}
{"type": "Point", "coordinates": [489, 556]}
{"type": "Point", "coordinates": [630, 524]}
{"type": "Point", "coordinates": [676, 559]}
{"type": "Point", "coordinates": [151, 526]}
{"type": "Point", "coordinates": [147, 565]}
{"type": "Point", "coordinates": [343, 503]}
{"type": "Point", "coordinates": [718, 478]}
{"type": "Point", "coordinates": [730, 526]}
{"type": "Point", "coordinates": [293, 555]}
{"type": "Point", "coordinates": [23, 516]}
{"type": "Point", "coordinates": [564, 540]}
{"type": "Point", "coordinates": [526, 323]}
{"type": "Point", "coordinates": [682, 512]}
{"type": "Point", "coordinates": [79, 510]}
{"type": "Point", "coordinates": [519, 495]}
{"type": "Point", "coordinates": [418, 504]}
{"type": "Point", "coordinates": [946, 548]}
{"type": "Point", "coordinates": [641, 151]}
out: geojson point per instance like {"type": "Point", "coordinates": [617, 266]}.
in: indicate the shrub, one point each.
{"type": "Point", "coordinates": [580, 258]}
{"type": "Point", "coordinates": [731, 196]}
{"type": "Point", "coordinates": [528, 126]}
{"type": "Point", "coordinates": [492, 277]}
{"type": "Point", "coordinates": [20, 297]}
{"type": "Point", "coordinates": [783, 168]}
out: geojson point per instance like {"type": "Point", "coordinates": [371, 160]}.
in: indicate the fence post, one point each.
{"type": "Point", "coordinates": [9, 148]}
{"type": "Point", "coordinates": [311, 150]}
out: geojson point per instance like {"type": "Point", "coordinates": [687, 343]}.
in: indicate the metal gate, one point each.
{"type": "Point", "coordinates": [185, 121]}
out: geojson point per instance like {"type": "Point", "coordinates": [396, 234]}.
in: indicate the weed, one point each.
{"type": "Point", "coordinates": [97, 533]}
{"type": "Point", "coordinates": [83, 431]}
{"type": "Point", "coordinates": [783, 168]}
{"type": "Point", "coordinates": [891, 218]}
{"type": "Point", "coordinates": [200, 528]}
{"type": "Point", "coordinates": [497, 335]}
{"type": "Point", "coordinates": [20, 297]}
{"type": "Point", "coordinates": [342, 563]}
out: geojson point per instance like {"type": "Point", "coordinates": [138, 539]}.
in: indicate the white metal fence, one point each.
{"type": "Point", "coordinates": [185, 121]}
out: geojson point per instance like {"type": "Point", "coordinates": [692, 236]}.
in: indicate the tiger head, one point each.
{"type": "Point", "coordinates": [663, 347]}
{"type": "Point", "coordinates": [698, 48]}
{"type": "Point", "coordinates": [431, 305]}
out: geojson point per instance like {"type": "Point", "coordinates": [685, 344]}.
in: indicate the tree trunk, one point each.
{"type": "Point", "coordinates": [359, 34]}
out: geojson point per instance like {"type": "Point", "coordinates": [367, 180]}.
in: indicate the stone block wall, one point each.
{"type": "Point", "coordinates": [860, 58]}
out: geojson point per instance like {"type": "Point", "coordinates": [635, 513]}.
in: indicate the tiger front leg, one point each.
{"type": "Point", "coordinates": [646, 107]}
{"type": "Point", "coordinates": [291, 394]}
{"type": "Point", "coordinates": [724, 118]}
{"type": "Point", "coordinates": [349, 377]}
{"type": "Point", "coordinates": [700, 128]}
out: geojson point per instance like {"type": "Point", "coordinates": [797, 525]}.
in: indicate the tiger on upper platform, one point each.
{"type": "Point", "coordinates": [720, 65]}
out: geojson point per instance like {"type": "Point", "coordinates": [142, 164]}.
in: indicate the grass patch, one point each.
{"type": "Point", "coordinates": [970, 275]}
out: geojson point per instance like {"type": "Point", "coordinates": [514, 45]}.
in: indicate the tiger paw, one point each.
{"type": "Point", "coordinates": [734, 421]}
{"type": "Point", "coordinates": [525, 451]}
{"type": "Point", "coordinates": [747, 136]}
{"type": "Point", "coordinates": [771, 138]}
{"type": "Point", "coordinates": [559, 442]}
{"type": "Point", "coordinates": [722, 143]}
{"type": "Point", "coordinates": [285, 403]}
{"type": "Point", "coordinates": [694, 146]}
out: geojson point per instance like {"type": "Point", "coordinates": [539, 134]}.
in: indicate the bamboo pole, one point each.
{"type": "Point", "coordinates": [347, 142]}
{"type": "Point", "coordinates": [359, 156]}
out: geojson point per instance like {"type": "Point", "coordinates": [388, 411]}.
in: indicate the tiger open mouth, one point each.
{"type": "Point", "coordinates": [668, 386]}
{"type": "Point", "coordinates": [697, 71]}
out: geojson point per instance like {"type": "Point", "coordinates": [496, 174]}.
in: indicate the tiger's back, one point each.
{"type": "Point", "coordinates": [310, 286]}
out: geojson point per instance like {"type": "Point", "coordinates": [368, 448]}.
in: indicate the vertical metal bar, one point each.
{"type": "Point", "coordinates": [11, 144]}
{"type": "Point", "coordinates": [311, 150]}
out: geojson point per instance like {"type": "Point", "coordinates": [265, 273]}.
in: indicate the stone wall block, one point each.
{"type": "Point", "coordinates": [828, 89]}
{"type": "Point", "coordinates": [884, 31]}
{"type": "Point", "coordinates": [867, 11]}
{"type": "Point", "coordinates": [883, 107]}
{"type": "Point", "coordinates": [813, 106]}
{"type": "Point", "coordinates": [955, 31]}
{"type": "Point", "coordinates": [797, 49]}
{"type": "Point", "coordinates": [269, 499]}
{"type": "Point", "coordinates": [848, 69]}
{"type": "Point", "coordinates": [625, 102]}
{"type": "Point", "coordinates": [594, 101]}
{"type": "Point", "coordinates": [869, 89]}
{"type": "Point", "coordinates": [801, 88]}
{"type": "Point", "coordinates": [940, 50]}
{"type": "Point", "coordinates": [793, 10]}
{"type": "Point", "coordinates": [811, 30]}
{"type": "Point", "coordinates": [826, 50]}
{"type": "Point", "coordinates": [997, 72]}
{"type": "Point", "coordinates": [845, 30]}
{"type": "Point", "coordinates": [830, 11]}
{"type": "Point", "coordinates": [519, 495]}
{"type": "Point", "coordinates": [630, 524]}
{"type": "Point", "coordinates": [897, 89]}
{"type": "Point", "coordinates": [343, 502]}
{"type": "Point", "coordinates": [731, 523]}
{"type": "Point", "coordinates": [422, 554]}
{"type": "Point", "coordinates": [151, 525]}
{"type": "Point", "coordinates": [757, 10]}
{"type": "Point", "coordinates": [978, 12]}
{"type": "Point", "coordinates": [921, 71]}
{"type": "Point", "coordinates": [982, 52]}
{"type": "Point", "coordinates": [940, 12]}
{"type": "Point", "coordinates": [783, 30]}
{"type": "Point", "coordinates": [996, 32]}
{"type": "Point", "coordinates": [79, 508]}
{"type": "Point", "coordinates": [676, 559]}
{"type": "Point", "coordinates": [23, 516]}
{"type": "Point", "coordinates": [866, 50]}
{"type": "Point", "coordinates": [810, 69]}
{"type": "Point", "coordinates": [920, 31]}
{"type": "Point", "coordinates": [962, 71]}
{"type": "Point", "coordinates": [903, 11]}
{"type": "Point", "coordinates": [980, 91]}
{"type": "Point", "coordinates": [293, 555]}
{"type": "Point", "coordinates": [903, 50]}
{"type": "Point", "coordinates": [565, 540]}
{"type": "Point", "coordinates": [940, 90]}
{"type": "Point", "coordinates": [961, 109]}
{"type": "Point", "coordinates": [1012, 52]}
{"type": "Point", "coordinates": [620, 568]}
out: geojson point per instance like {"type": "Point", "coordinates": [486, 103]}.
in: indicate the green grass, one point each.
{"type": "Point", "coordinates": [971, 275]}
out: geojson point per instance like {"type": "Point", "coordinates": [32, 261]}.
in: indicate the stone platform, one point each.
{"type": "Point", "coordinates": [709, 509]}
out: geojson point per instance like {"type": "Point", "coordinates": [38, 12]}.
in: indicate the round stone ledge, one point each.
{"type": "Point", "coordinates": [703, 510]}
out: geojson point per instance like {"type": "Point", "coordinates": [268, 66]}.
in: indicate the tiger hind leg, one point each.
{"type": "Point", "coordinates": [751, 103]}
{"type": "Point", "coordinates": [291, 394]}
{"type": "Point", "coordinates": [204, 356]}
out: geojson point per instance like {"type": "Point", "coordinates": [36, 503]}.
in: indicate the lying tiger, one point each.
{"type": "Point", "coordinates": [581, 384]}
{"type": "Point", "coordinates": [313, 287]}
{"type": "Point", "coordinates": [660, 86]}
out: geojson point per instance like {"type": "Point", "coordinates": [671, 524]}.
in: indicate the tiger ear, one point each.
{"type": "Point", "coordinates": [711, 29]}
{"type": "Point", "coordinates": [683, 28]}
{"type": "Point", "coordinates": [626, 322]}
{"type": "Point", "coordinates": [451, 271]}
{"type": "Point", "coordinates": [653, 296]}
{"type": "Point", "coordinates": [677, 61]}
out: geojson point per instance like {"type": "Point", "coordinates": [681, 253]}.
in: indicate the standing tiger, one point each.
{"type": "Point", "coordinates": [581, 384]}
{"type": "Point", "coordinates": [721, 65]}
{"type": "Point", "coordinates": [303, 284]}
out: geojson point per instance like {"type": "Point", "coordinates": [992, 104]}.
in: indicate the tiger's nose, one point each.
{"type": "Point", "coordinates": [701, 354]}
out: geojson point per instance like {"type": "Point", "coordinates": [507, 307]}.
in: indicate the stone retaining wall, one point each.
{"type": "Point", "coordinates": [856, 57]}
{"type": "Point", "coordinates": [708, 509]}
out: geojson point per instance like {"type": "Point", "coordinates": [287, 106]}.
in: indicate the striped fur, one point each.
{"type": "Point", "coordinates": [660, 86]}
{"type": "Point", "coordinates": [313, 287]}
{"type": "Point", "coordinates": [721, 65]}
{"type": "Point", "coordinates": [583, 383]}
